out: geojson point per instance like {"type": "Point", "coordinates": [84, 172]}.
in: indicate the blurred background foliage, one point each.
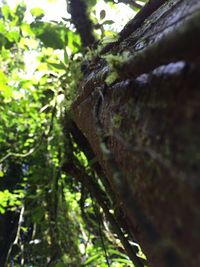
{"type": "Point", "coordinates": [48, 217]}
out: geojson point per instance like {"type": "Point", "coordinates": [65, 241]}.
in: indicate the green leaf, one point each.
{"type": "Point", "coordinates": [120, 260]}
{"type": "Point", "coordinates": [6, 11]}
{"type": "Point", "coordinates": [91, 259]}
{"type": "Point", "coordinates": [66, 58]}
{"type": "Point", "coordinates": [2, 210]}
{"type": "Point", "coordinates": [52, 35]}
{"type": "Point", "coordinates": [5, 90]}
{"type": "Point", "coordinates": [73, 42]}
{"type": "Point", "coordinates": [108, 22]}
{"type": "Point", "coordinates": [2, 28]}
{"type": "Point", "coordinates": [37, 12]}
{"type": "Point", "coordinates": [59, 66]}
{"type": "Point", "coordinates": [102, 14]}
{"type": "Point", "coordinates": [20, 12]}
{"type": "Point", "coordinates": [13, 36]}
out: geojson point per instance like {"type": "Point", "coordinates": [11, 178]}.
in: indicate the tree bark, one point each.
{"type": "Point", "coordinates": [144, 130]}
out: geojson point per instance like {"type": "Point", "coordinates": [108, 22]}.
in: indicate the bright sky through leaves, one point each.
{"type": "Point", "coordinates": [56, 9]}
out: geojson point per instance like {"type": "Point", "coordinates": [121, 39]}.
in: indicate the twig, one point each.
{"type": "Point", "coordinates": [132, 3]}
{"type": "Point", "coordinates": [98, 216]}
{"type": "Point", "coordinates": [15, 242]}
{"type": "Point", "coordinates": [21, 155]}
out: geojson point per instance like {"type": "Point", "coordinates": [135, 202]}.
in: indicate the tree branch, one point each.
{"type": "Point", "coordinates": [140, 17]}
{"type": "Point", "coordinates": [81, 21]}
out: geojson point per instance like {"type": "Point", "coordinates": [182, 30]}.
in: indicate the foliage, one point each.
{"type": "Point", "coordinates": [39, 76]}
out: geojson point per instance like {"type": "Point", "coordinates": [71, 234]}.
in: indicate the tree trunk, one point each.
{"type": "Point", "coordinates": [144, 130]}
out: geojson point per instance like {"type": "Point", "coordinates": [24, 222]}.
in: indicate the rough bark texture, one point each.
{"type": "Point", "coordinates": [149, 121]}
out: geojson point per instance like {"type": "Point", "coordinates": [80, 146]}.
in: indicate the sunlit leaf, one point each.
{"type": "Point", "coordinates": [6, 11]}
{"type": "Point", "coordinates": [108, 22]}
{"type": "Point", "coordinates": [13, 36]}
{"type": "Point", "coordinates": [37, 12]}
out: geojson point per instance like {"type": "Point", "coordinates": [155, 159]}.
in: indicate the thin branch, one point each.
{"type": "Point", "coordinates": [16, 241]}
{"type": "Point", "coordinates": [33, 149]}
{"type": "Point", "coordinates": [18, 155]}
{"type": "Point", "coordinates": [132, 3]}
{"type": "Point", "coordinates": [98, 216]}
